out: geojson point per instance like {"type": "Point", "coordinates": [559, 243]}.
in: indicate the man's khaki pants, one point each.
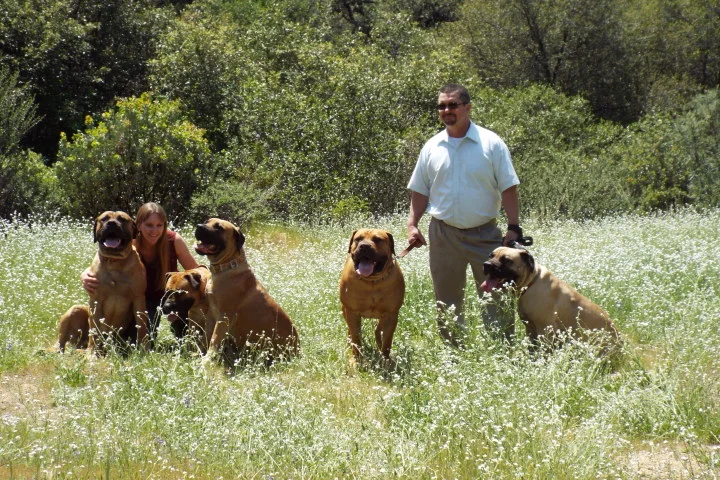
{"type": "Point", "coordinates": [451, 251]}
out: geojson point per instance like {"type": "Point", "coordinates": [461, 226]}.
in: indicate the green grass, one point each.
{"type": "Point", "coordinates": [490, 411]}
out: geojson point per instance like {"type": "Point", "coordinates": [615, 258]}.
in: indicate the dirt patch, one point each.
{"type": "Point", "coordinates": [666, 461]}
{"type": "Point", "coordinates": [22, 394]}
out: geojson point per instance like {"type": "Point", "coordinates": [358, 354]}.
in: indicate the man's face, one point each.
{"type": "Point", "coordinates": [453, 116]}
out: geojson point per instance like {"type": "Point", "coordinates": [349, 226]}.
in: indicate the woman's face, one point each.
{"type": "Point", "coordinates": [151, 229]}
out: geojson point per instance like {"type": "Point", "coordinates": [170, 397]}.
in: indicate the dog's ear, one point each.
{"type": "Point", "coordinates": [528, 259]}
{"type": "Point", "coordinates": [195, 280]}
{"type": "Point", "coordinates": [96, 224]}
{"type": "Point", "coordinates": [392, 242]}
{"type": "Point", "coordinates": [134, 232]}
{"type": "Point", "coordinates": [352, 237]}
{"type": "Point", "coordinates": [239, 239]}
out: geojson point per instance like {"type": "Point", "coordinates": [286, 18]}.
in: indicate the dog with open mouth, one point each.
{"type": "Point", "coordinates": [243, 313]}
{"type": "Point", "coordinates": [371, 286]}
{"type": "Point", "coordinates": [116, 312]}
{"type": "Point", "coordinates": [546, 304]}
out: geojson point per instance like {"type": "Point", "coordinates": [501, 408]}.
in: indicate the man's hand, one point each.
{"type": "Point", "coordinates": [415, 236]}
{"type": "Point", "coordinates": [510, 237]}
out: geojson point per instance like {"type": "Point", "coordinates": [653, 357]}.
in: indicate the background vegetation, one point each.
{"type": "Point", "coordinates": [487, 412]}
{"type": "Point", "coordinates": [317, 110]}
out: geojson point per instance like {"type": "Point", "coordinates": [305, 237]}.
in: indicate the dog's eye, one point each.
{"type": "Point", "coordinates": [377, 239]}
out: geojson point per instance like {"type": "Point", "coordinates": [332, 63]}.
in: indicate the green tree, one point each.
{"type": "Point", "coordinates": [339, 125]}
{"type": "Point", "coordinates": [677, 39]}
{"type": "Point", "coordinates": [145, 150]}
{"type": "Point", "coordinates": [673, 160]}
{"type": "Point", "coordinates": [575, 46]}
{"type": "Point", "coordinates": [17, 112]}
{"type": "Point", "coordinates": [25, 182]}
{"type": "Point", "coordinates": [199, 60]}
{"type": "Point", "coordinates": [699, 132]}
{"type": "Point", "coordinates": [76, 57]}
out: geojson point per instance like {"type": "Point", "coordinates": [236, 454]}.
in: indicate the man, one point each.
{"type": "Point", "coordinates": [463, 176]}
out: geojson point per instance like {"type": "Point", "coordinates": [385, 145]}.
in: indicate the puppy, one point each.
{"type": "Point", "coordinates": [242, 311]}
{"type": "Point", "coordinates": [546, 304]}
{"type": "Point", "coordinates": [186, 305]}
{"type": "Point", "coordinates": [372, 286]}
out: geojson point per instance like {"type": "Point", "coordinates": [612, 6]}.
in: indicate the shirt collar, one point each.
{"type": "Point", "coordinates": [472, 134]}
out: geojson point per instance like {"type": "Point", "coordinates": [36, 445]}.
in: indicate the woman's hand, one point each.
{"type": "Point", "coordinates": [89, 281]}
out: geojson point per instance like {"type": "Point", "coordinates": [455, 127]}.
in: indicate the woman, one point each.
{"type": "Point", "coordinates": [160, 250]}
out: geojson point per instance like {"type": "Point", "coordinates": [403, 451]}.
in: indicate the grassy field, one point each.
{"type": "Point", "coordinates": [486, 412]}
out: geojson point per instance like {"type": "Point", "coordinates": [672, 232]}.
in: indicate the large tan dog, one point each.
{"type": "Point", "coordinates": [243, 312]}
{"type": "Point", "coordinates": [546, 304]}
{"type": "Point", "coordinates": [118, 303]}
{"type": "Point", "coordinates": [372, 286]}
{"type": "Point", "coordinates": [186, 304]}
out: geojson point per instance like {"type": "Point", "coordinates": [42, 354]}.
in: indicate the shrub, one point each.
{"type": "Point", "coordinates": [145, 150]}
{"type": "Point", "coordinates": [26, 185]}
{"type": "Point", "coordinates": [672, 161]}
{"type": "Point", "coordinates": [559, 150]}
{"type": "Point", "coordinates": [699, 132]}
{"type": "Point", "coordinates": [235, 201]}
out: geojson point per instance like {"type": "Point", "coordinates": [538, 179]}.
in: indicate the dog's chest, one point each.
{"type": "Point", "coordinates": [372, 299]}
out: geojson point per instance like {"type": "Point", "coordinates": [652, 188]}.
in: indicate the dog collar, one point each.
{"type": "Point", "coordinates": [525, 288]}
{"type": "Point", "coordinates": [105, 258]}
{"type": "Point", "coordinates": [231, 265]}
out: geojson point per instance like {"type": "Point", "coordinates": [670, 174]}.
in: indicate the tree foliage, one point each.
{"type": "Point", "coordinates": [145, 150]}
{"type": "Point", "coordinates": [315, 110]}
{"type": "Point", "coordinates": [76, 57]}
{"type": "Point", "coordinates": [674, 161]}
{"type": "Point", "coordinates": [17, 112]}
{"type": "Point", "coordinates": [575, 46]}
{"type": "Point", "coordinates": [25, 182]}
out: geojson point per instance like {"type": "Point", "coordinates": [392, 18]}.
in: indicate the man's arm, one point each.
{"type": "Point", "coordinates": [418, 205]}
{"type": "Point", "coordinates": [511, 205]}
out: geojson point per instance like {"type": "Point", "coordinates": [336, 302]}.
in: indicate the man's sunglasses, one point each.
{"type": "Point", "coordinates": [448, 106]}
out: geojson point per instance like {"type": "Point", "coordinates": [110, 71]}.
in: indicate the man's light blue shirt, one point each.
{"type": "Point", "coordinates": [464, 179]}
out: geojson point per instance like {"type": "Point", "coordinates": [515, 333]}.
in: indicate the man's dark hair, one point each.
{"type": "Point", "coordinates": [457, 88]}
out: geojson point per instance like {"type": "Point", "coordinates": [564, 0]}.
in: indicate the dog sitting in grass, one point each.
{"type": "Point", "coordinates": [546, 304]}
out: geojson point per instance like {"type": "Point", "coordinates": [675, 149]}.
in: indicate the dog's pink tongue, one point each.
{"type": "Point", "coordinates": [489, 284]}
{"type": "Point", "coordinates": [112, 242]}
{"type": "Point", "coordinates": [365, 269]}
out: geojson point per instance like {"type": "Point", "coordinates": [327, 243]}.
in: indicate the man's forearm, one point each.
{"type": "Point", "coordinates": [511, 204]}
{"type": "Point", "coordinates": [418, 205]}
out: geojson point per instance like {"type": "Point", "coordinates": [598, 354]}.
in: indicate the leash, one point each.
{"type": "Point", "coordinates": [522, 242]}
{"type": "Point", "coordinates": [415, 244]}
